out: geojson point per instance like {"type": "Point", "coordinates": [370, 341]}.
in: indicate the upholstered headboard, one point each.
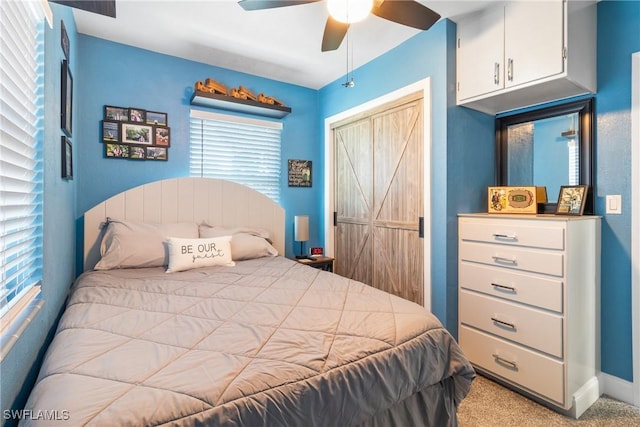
{"type": "Point", "coordinates": [201, 200]}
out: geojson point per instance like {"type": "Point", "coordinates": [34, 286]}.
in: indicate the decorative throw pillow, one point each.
{"type": "Point", "coordinates": [129, 244]}
{"type": "Point", "coordinates": [246, 243]}
{"type": "Point", "coordinates": [185, 254]}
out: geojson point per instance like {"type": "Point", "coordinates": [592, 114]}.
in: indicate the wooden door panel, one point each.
{"type": "Point", "coordinates": [379, 170]}
{"type": "Point", "coordinates": [398, 263]}
{"type": "Point", "coordinates": [353, 252]}
{"type": "Point", "coordinates": [353, 170]}
{"type": "Point", "coordinates": [398, 166]}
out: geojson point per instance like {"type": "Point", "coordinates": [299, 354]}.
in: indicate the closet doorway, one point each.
{"type": "Point", "coordinates": [378, 197]}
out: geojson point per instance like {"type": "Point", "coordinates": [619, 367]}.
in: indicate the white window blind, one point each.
{"type": "Point", "coordinates": [21, 136]}
{"type": "Point", "coordinates": [238, 149]}
{"type": "Point", "coordinates": [574, 162]}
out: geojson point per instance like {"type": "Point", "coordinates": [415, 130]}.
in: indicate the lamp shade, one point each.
{"type": "Point", "coordinates": [301, 228]}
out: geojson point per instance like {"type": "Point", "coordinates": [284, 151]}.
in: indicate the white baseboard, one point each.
{"type": "Point", "coordinates": [585, 397]}
{"type": "Point", "coordinates": [617, 388]}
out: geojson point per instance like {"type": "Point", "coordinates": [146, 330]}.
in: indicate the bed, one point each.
{"type": "Point", "coordinates": [255, 339]}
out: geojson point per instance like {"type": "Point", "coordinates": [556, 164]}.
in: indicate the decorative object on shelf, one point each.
{"type": "Point", "coordinates": [571, 200]}
{"type": "Point", "coordinates": [301, 233]}
{"type": "Point", "coordinates": [269, 100]}
{"type": "Point", "coordinates": [211, 86]}
{"type": "Point", "coordinates": [242, 93]}
{"type": "Point", "coordinates": [135, 133]}
{"type": "Point", "coordinates": [66, 98]}
{"type": "Point", "coordinates": [516, 199]}
{"type": "Point", "coordinates": [212, 93]}
{"type": "Point", "coordinates": [67, 158]}
{"type": "Point", "coordinates": [317, 251]}
{"type": "Point", "coordinates": [64, 41]}
{"type": "Point", "coordinates": [299, 173]}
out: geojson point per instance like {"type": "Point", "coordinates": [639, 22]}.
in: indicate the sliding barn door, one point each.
{"type": "Point", "coordinates": [379, 198]}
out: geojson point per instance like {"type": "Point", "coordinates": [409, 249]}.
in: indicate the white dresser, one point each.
{"type": "Point", "coordinates": [529, 304]}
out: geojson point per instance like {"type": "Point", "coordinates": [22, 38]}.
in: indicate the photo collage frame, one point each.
{"type": "Point", "coordinates": [136, 134]}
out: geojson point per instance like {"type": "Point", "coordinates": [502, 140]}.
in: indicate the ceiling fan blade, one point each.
{"type": "Point", "coordinates": [334, 32]}
{"type": "Point", "coordinates": [407, 12]}
{"type": "Point", "coordinates": [270, 4]}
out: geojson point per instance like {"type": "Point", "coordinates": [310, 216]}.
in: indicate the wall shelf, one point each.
{"type": "Point", "coordinates": [230, 103]}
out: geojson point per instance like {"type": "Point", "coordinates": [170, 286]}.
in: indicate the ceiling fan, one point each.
{"type": "Point", "coordinates": [405, 12]}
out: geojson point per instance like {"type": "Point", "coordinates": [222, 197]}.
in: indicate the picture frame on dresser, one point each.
{"type": "Point", "coordinates": [571, 200]}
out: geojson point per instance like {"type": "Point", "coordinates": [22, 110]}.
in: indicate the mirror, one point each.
{"type": "Point", "coordinates": [547, 147]}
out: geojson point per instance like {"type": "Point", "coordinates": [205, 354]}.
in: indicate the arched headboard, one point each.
{"type": "Point", "coordinates": [200, 200]}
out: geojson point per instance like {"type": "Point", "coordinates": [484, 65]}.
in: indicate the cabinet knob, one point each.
{"type": "Point", "coordinates": [496, 73]}
{"type": "Point", "coordinates": [510, 69]}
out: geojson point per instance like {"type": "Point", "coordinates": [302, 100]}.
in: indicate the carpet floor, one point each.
{"type": "Point", "coordinates": [489, 404]}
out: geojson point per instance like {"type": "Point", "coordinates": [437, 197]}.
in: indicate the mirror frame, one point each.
{"type": "Point", "coordinates": [586, 134]}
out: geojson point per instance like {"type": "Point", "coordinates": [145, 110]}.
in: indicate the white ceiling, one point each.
{"type": "Point", "coordinates": [281, 44]}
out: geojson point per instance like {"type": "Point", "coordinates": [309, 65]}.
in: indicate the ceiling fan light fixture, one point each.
{"type": "Point", "coordinates": [349, 11]}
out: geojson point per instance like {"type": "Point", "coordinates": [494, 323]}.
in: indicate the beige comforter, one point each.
{"type": "Point", "coordinates": [268, 342]}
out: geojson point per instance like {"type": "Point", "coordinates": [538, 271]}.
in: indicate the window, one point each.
{"type": "Point", "coordinates": [243, 150]}
{"type": "Point", "coordinates": [21, 142]}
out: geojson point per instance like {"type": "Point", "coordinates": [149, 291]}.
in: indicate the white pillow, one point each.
{"type": "Point", "coordinates": [129, 244]}
{"type": "Point", "coordinates": [185, 254]}
{"type": "Point", "coordinates": [246, 243]}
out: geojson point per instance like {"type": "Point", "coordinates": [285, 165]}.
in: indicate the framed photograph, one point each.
{"type": "Point", "coordinates": [116, 151]}
{"type": "Point", "coordinates": [137, 134]}
{"type": "Point", "coordinates": [299, 173]}
{"type": "Point", "coordinates": [158, 119]}
{"type": "Point", "coordinates": [64, 40]}
{"type": "Point", "coordinates": [67, 158]}
{"type": "Point", "coordinates": [137, 115]}
{"type": "Point", "coordinates": [118, 114]}
{"type": "Point", "coordinates": [571, 200]}
{"type": "Point", "coordinates": [66, 98]}
{"type": "Point", "coordinates": [157, 153]}
{"type": "Point", "coordinates": [137, 152]}
{"type": "Point", "coordinates": [110, 131]}
{"type": "Point", "coordinates": [162, 136]}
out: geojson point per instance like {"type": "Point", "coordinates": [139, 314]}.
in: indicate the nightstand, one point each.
{"type": "Point", "coordinates": [323, 262]}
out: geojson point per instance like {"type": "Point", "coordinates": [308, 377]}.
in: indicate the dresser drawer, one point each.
{"type": "Point", "coordinates": [513, 233]}
{"type": "Point", "coordinates": [524, 288]}
{"type": "Point", "coordinates": [537, 261]}
{"type": "Point", "coordinates": [530, 370]}
{"type": "Point", "coordinates": [533, 328]}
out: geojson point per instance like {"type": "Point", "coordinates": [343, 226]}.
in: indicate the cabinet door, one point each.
{"type": "Point", "coordinates": [480, 53]}
{"type": "Point", "coordinates": [534, 41]}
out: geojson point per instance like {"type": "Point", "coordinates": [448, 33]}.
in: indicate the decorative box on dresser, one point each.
{"type": "Point", "coordinates": [529, 304]}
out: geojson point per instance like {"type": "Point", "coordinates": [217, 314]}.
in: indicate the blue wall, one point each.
{"type": "Point", "coordinates": [19, 369]}
{"type": "Point", "coordinates": [618, 39]}
{"type": "Point", "coordinates": [462, 152]}
{"type": "Point", "coordinates": [119, 75]}
{"type": "Point", "coordinates": [462, 148]}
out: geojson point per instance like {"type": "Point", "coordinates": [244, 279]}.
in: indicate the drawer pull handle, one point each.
{"type": "Point", "coordinates": [505, 236]}
{"type": "Point", "coordinates": [503, 323]}
{"type": "Point", "coordinates": [499, 359]}
{"type": "Point", "coordinates": [498, 258]}
{"type": "Point", "coordinates": [504, 287]}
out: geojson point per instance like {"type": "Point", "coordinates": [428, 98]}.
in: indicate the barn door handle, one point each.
{"type": "Point", "coordinates": [421, 227]}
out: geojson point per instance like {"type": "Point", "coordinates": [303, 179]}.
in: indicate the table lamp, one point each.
{"type": "Point", "coordinates": [301, 233]}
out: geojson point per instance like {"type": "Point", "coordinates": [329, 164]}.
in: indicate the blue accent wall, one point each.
{"type": "Point", "coordinates": [120, 75]}
{"type": "Point", "coordinates": [462, 154]}
{"type": "Point", "coordinates": [618, 39]}
{"type": "Point", "coordinates": [462, 149]}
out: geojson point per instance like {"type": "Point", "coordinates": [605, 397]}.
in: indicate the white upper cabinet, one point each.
{"type": "Point", "coordinates": [525, 53]}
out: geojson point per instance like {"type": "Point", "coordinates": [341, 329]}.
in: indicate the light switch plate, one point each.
{"type": "Point", "coordinates": [614, 204]}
